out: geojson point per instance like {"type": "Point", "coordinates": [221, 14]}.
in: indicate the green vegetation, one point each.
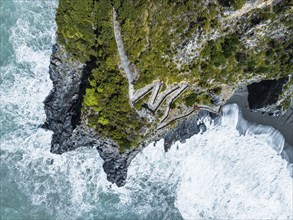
{"type": "Point", "coordinates": [287, 102]}
{"type": "Point", "coordinates": [228, 60]}
{"type": "Point", "coordinates": [153, 33]}
{"type": "Point", "coordinates": [287, 94]}
{"type": "Point", "coordinates": [85, 28]}
{"type": "Point", "coordinates": [172, 105]}
{"type": "Point", "coordinates": [190, 99]}
{"type": "Point", "coordinates": [151, 29]}
{"type": "Point", "coordinates": [113, 117]}
{"type": "Point", "coordinates": [199, 98]}
{"type": "Point", "coordinates": [81, 29]}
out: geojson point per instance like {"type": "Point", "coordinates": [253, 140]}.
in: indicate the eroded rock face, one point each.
{"type": "Point", "coordinates": [88, 35]}
{"type": "Point", "coordinates": [62, 104]}
{"type": "Point", "coordinates": [63, 111]}
{"type": "Point", "coordinates": [187, 128]}
{"type": "Point", "coordinates": [265, 93]}
{"type": "Point", "coordinates": [116, 163]}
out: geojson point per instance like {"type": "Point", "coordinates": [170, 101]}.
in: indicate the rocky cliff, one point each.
{"type": "Point", "coordinates": [126, 73]}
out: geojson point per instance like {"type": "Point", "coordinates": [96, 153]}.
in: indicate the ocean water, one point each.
{"type": "Point", "coordinates": [233, 170]}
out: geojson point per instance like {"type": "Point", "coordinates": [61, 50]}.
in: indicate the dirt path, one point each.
{"type": "Point", "coordinates": [155, 101]}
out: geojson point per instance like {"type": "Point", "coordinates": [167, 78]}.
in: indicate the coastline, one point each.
{"type": "Point", "coordinates": [62, 107]}
{"type": "Point", "coordinates": [282, 123]}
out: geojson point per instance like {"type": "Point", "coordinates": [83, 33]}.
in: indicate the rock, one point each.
{"type": "Point", "coordinates": [187, 128]}
{"type": "Point", "coordinates": [63, 111]}
{"type": "Point", "coordinates": [59, 106]}
{"type": "Point", "coordinates": [265, 93]}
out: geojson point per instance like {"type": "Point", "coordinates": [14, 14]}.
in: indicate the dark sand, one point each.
{"type": "Point", "coordinates": [283, 123]}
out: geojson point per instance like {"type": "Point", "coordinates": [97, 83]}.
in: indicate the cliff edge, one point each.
{"type": "Point", "coordinates": [128, 73]}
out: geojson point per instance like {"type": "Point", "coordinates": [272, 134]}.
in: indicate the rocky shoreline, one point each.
{"type": "Point", "coordinates": [62, 102]}
{"type": "Point", "coordinates": [63, 111]}
{"type": "Point", "coordinates": [282, 122]}
{"type": "Point", "coordinates": [63, 106]}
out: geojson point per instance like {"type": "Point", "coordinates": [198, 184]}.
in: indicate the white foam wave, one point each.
{"type": "Point", "coordinates": [216, 174]}
{"type": "Point", "coordinates": [25, 80]}
{"type": "Point", "coordinates": [232, 117]}
{"type": "Point", "coordinates": [226, 175]}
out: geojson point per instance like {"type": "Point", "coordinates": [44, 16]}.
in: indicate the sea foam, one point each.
{"type": "Point", "coordinates": [230, 171]}
{"type": "Point", "coordinates": [230, 175]}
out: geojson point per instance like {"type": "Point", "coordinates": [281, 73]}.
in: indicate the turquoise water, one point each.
{"type": "Point", "coordinates": [216, 175]}
{"type": "Point", "coordinates": [7, 20]}
{"type": "Point", "coordinates": [74, 186]}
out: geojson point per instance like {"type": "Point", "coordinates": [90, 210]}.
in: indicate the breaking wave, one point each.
{"type": "Point", "coordinates": [233, 170]}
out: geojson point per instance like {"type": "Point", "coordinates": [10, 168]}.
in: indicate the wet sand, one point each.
{"type": "Point", "coordinates": [283, 123]}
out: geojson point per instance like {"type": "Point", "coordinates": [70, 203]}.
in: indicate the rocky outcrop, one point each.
{"type": "Point", "coordinates": [62, 106]}
{"type": "Point", "coordinates": [63, 111]}
{"type": "Point", "coordinates": [165, 53]}
{"type": "Point", "coordinates": [187, 128]}
{"type": "Point", "coordinates": [282, 122]}
{"type": "Point", "coordinates": [265, 93]}
{"type": "Point", "coordinates": [115, 163]}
